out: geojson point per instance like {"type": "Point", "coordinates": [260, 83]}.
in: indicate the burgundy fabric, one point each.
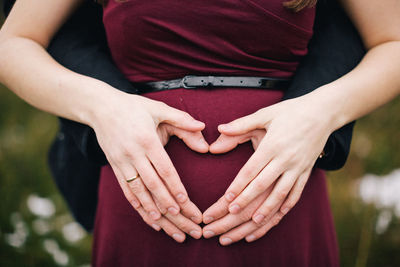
{"type": "Point", "coordinates": [161, 40]}
{"type": "Point", "coordinates": [304, 237]}
{"type": "Point", "coordinates": [158, 40]}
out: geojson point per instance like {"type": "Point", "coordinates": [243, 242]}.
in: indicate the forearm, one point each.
{"type": "Point", "coordinates": [46, 84]}
{"type": "Point", "coordinates": [374, 82]}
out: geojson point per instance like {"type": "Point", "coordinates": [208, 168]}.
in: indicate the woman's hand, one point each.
{"type": "Point", "coordinates": [132, 131]}
{"type": "Point", "coordinates": [235, 227]}
{"type": "Point", "coordinates": [296, 132]}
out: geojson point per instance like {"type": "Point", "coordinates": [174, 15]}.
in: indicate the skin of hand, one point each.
{"type": "Point", "coordinates": [276, 173]}
{"type": "Point", "coordinates": [354, 95]}
{"type": "Point", "coordinates": [235, 227]}
{"type": "Point", "coordinates": [133, 142]}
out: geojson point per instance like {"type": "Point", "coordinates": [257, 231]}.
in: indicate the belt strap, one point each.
{"type": "Point", "coordinates": [192, 81]}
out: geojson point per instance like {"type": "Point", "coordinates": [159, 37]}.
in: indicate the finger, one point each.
{"type": "Point", "coordinates": [216, 211]}
{"type": "Point", "coordinates": [238, 233]}
{"type": "Point", "coordinates": [257, 186]}
{"type": "Point", "coordinates": [296, 192]}
{"type": "Point", "coordinates": [185, 225]}
{"type": "Point", "coordinates": [178, 118]}
{"type": "Point", "coordinates": [147, 219]}
{"type": "Point", "coordinates": [191, 211]}
{"type": "Point", "coordinates": [230, 221]}
{"type": "Point", "coordinates": [135, 203]}
{"type": "Point", "coordinates": [194, 140]}
{"type": "Point", "coordinates": [246, 229]}
{"type": "Point", "coordinates": [222, 225]}
{"type": "Point", "coordinates": [256, 120]}
{"type": "Point", "coordinates": [196, 218]}
{"type": "Point", "coordinates": [156, 187]}
{"type": "Point", "coordinates": [277, 196]}
{"type": "Point", "coordinates": [167, 172]}
{"type": "Point", "coordinates": [163, 223]}
{"type": "Point", "coordinates": [249, 171]}
{"type": "Point", "coordinates": [226, 143]}
{"type": "Point", "coordinates": [260, 232]}
{"type": "Point", "coordinates": [146, 200]}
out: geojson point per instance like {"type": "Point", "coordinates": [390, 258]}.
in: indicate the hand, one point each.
{"type": "Point", "coordinates": [234, 227]}
{"type": "Point", "coordinates": [132, 131]}
{"type": "Point", "coordinates": [295, 136]}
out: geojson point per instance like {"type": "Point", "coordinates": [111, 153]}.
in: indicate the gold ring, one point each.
{"type": "Point", "coordinates": [133, 178]}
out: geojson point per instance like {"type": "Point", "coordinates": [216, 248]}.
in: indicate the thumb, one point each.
{"type": "Point", "coordinates": [257, 120]}
{"type": "Point", "coordinates": [194, 140]}
{"type": "Point", "coordinates": [226, 143]}
{"type": "Point", "coordinates": [180, 119]}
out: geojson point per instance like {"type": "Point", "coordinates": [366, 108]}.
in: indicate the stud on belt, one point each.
{"type": "Point", "coordinates": [191, 81]}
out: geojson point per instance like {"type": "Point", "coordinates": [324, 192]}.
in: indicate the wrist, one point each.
{"type": "Point", "coordinates": [102, 102]}
{"type": "Point", "coordinates": [327, 106]}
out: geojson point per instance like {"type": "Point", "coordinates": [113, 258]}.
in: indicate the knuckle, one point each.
{"type": "Point", "coordinates": [136, 187]}
{"type": "Point", "coordinates": [247, 174]}
{"type": "Point", "coordinates": [225, 226]}
{"type": "Point", "coordinates": [145, 141]}
{"type": "Point", "coordinates": [266, 209]}
{"type": "Point", "coordinates": [246, 215]}
{"type": "Point", "coordinates": [276, 219]}
{"type": "Point", "coordinates": [243, 200]}
{"type": "Point", "coordinates": [117, 159]}
{"type": "Point", "coordinates": [281, 194]}
{"type": "Point", "coordinates": [259, 186]}
{"type": "Point", "coordinates": [162, 210]}
{"type": "Point", "coordinates": [183, 226]}
{"type": "Point", "coordinates": [289, 205]}
{"type": "Point", "coordinates": [186, 115]}
{"type": "Point", "coordinates": [152, 185]}
{"type": "Point", "coordinates": [126, 151]}
{"type": "Point", "coordinates": [164, 171]}
{"type": "Point", "coordinates": [263, 222]}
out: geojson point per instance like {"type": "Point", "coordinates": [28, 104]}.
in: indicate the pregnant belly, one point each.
{"type": "Point", "coordinates": [207, 176]}
{"type": "Point", "coordinates": [304, 237]}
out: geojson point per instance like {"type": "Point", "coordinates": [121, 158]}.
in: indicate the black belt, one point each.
{"type": "Point", "coordinates": [191, 81]}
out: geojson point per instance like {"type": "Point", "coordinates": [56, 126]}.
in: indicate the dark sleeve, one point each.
{"type": "Point", "coordinates": [7, 5]}
{"type": "Point", "coordinates": [81, 46]}
{"type": "Point", "coordinates": [334, 50]}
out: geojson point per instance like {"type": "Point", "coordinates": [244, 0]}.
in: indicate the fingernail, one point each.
{"type": "Point", "coordinates": [208, 234]}
{"type": "Point", "coordinates": [285, 210]}
{"type": "Point", "coordinates": [156, 227]}
{"type": "Point", "coordinates": [195, 233]}
{"type": "Point", "coordinates": [194, 219]}
{"type": "Point", "coordinates": [198, 123]}
{"type": "Point", "coordinates": [181, 197]}
{"type": "Point", "coordinates": [222, 127]}
{"type": "Point", "coordinates": [178, 237]}
{"type": "Point", "coordinates": [230, 196]}
{"type": "Point", "coordinates": [258, 218]}
{"type": "Point", "coordinates": [154, 215]}
{"type": "Point", "coordinates": [250, 238]}
{"type": "Point", "coordinates": [234, 209]}
{"type": "Point", "coordinates": [208, 219]}
{"type": "Point", "coordinates": [173, 210]}
{"type": "Point", "coordinates": [226, 241]}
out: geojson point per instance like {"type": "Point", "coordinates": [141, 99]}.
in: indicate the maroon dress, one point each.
{"type": "Point", "coordinates": [162, 40]}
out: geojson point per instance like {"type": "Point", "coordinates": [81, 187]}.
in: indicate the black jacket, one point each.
{"type": "Point", "coordinates": [75, 156]}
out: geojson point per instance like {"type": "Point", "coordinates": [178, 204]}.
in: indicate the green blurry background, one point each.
{"type": "Point", "coordinates": [36, 229]}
